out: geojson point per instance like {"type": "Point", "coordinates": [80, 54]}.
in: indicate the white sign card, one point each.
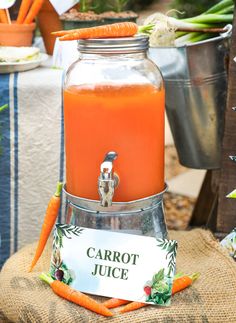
{"type": "Point", "coordinates": [62, 6]}
{"type": "Point", "coordinates": [106, 263]}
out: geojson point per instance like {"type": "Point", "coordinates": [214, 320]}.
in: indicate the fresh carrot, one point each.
{"type": "Point", "coordinates": [60, 33]}
{"type": "Point", "coordinates": [122, 29]}
{"type": "Point", "coordinates": [100, 29]}
{"type": "Point", "coordinates": [178, 284]}
{"type": "Point", "coordinates": [49, 221]}
{"type": "Point", "coordinates": [183, 282]}
{"type": "Point", "coordinates": [115, 302]}
{"type": "Point", "coordinates": [72, 295]}
{"type": "Point", "coordinates": [132, 307]}
{"type": "Point", "coordinates": [33, 11]}
{"type": "Point", "coordinates": [3, 16]}
{"type": "Point", "coordinates": [24, 8]}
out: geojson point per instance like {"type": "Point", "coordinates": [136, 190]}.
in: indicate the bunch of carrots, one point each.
{"type": "Point", "coordinates": [29, 9]}
{"type": "Point", "coordinates": [70, 294]}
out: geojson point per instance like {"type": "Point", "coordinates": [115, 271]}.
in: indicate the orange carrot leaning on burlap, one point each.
{"type": "Point", "coordinates": [179, 284]}
{"type": "Point", "coordinates": [49, 221]}
{"type": "Point", "coordinates": [72, 295]}
{"type": "Point", "coordinates": [24, 8]}
{"type": "Point", "coordinates": [121, 29]}
{"type": "Point", "coordinates": [33, 11]}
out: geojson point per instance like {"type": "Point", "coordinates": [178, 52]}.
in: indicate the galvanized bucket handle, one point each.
{"type": "Point", "coordinates": [228, 32]}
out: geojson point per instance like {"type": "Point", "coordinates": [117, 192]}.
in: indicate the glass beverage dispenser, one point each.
{"type": "Point", "coordinates": [114, 135]}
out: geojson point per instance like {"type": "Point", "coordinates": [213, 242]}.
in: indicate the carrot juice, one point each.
{"type": "Point", "coordinates": [127, 119]}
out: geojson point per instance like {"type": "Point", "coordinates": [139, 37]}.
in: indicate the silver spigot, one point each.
{"type": "Point", "coordinates": [107, 180]}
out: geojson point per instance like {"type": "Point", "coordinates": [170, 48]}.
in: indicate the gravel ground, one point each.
{"type": "Point", "coordinates": [178, 208]}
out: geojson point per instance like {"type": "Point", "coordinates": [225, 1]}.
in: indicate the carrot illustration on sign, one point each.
{"type": "Point", "coordinates": [66, 292]}
{"type": "Point", "coordinates": [59, 270]}
{"type": "Point", "coordinates": [122, 29]}
{"type": "Point", "coordinates": [49, 221]}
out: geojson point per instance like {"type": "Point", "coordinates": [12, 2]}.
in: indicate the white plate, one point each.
{"type": "Point", "coordinates": [22, 66]}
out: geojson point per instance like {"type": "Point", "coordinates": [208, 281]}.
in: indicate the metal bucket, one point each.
{"type": "Point", "coordinates": [142, 217]}
{"type": "Point", "coordinates": [196, 87]}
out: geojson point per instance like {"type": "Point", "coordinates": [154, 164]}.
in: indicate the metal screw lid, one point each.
{"type": "Point", "coordinates": [126, 45]}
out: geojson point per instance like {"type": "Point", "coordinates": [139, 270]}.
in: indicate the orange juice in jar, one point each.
{"type": "Point", "coordinates": [114, 100]}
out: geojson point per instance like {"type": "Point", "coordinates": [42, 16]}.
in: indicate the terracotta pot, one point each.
{"type": "Point", "coordinates": [16, 35]}
{"type": "Point", "coordinates": [113, 20]}
{"type": "Point", "coordinates": [48, 21]}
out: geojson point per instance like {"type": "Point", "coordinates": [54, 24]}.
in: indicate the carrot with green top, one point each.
{"type": "Point", "coordinates": [178, 284]}
{"type": "Point", "coordinates": [48, 223]}
{"type": "Point", "coordinates": [74, 296]}
{"type": "Point", "coordinates": [183, 282]}
{"type": "Point", "coordinates": [33, 11]}
{"type": "Point", "coordinates": [24, 8]}
{"type": "Point", "coordinates": [122, 29]}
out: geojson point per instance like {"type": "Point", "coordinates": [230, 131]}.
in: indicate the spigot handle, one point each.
{"type": "Point", "coordinates": [111, 156]}
{"type": "Point", "coordinates": [107, 180]}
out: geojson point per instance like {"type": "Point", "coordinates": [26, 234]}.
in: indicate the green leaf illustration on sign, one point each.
{"type": "Point", "coordinates": [58, 268]}
{"type": "Point", "coordinates": [171, 248]}
{"type": "Point", "coordinates": [158, 290]}
{"type": "Point", "coordinates": [159, 276]}
{"type": "Point", "coordinates": [64, 230]}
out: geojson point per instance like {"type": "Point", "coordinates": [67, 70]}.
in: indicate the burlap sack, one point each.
{"type": "Point", "coordinates": [24, 298]}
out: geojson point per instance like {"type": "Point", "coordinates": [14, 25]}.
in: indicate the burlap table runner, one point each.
{"type": "Point", "coordinates": [24, 298]}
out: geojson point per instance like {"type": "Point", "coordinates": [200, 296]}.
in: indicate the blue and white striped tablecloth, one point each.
{"type": "Point", "coordinates": [32, 153]}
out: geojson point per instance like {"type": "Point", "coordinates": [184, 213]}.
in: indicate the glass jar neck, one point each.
{"type": "Point", "coordinates": [113, 47]}
{"type": "Point", "coordinates": [121, 56]}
